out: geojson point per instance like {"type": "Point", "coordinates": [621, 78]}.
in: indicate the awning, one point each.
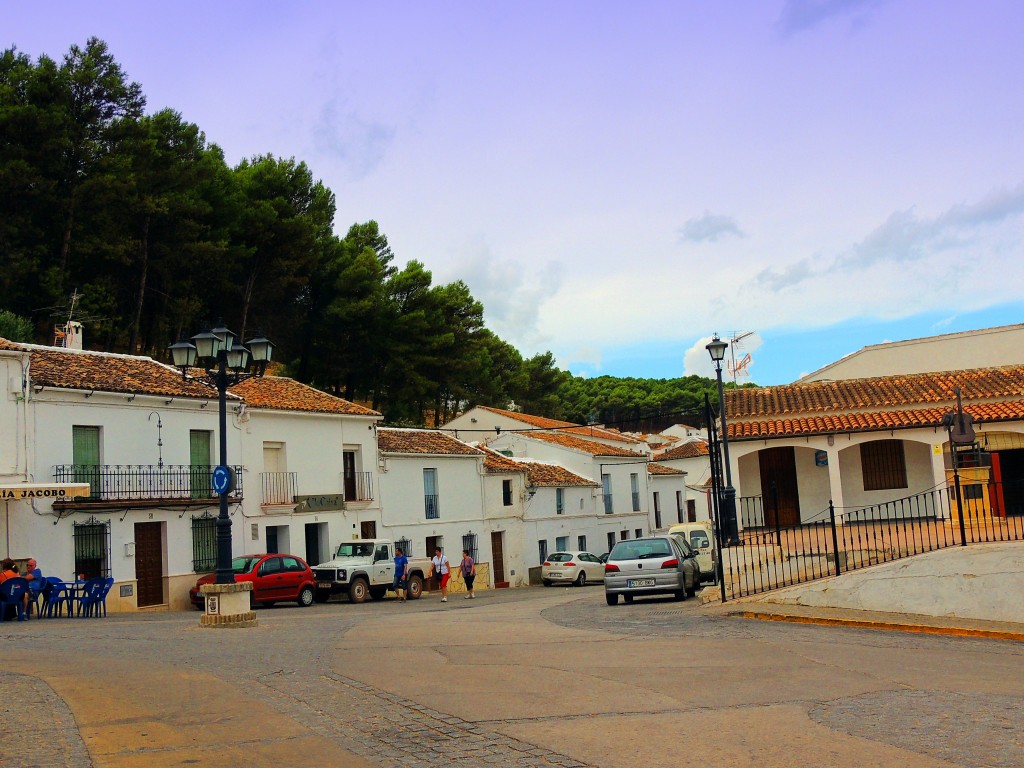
{"type": "Point", "coordinates": [43, 491]}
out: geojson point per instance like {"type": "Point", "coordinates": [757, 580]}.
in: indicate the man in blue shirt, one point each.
{"type": "Point", "coordinates": [401, 574]}
{"type": "Point", "coordinates": [35, 580]}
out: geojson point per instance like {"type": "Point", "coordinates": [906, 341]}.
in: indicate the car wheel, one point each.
{"type": "Point", "coordinates": [414, 589]}
{"type": "Point", "coordinates": [358, 590]}
{"type": "Point", "coordinates": [611, 599]}
{"type": "Point", "coordinates": [306, 595]}
{"type": "Point", "coordinates": [693, 587]}
{"type": "Point", "coordinates": [581, 580]}
{"type": "Point", "coordinates": [321, 596]}
{"type": "Point", "coordinates": [377, 593]}
{"type": "Point", "coordinates": [680, 595]}
{"type": "Point", "coordinates": [546, 582]}
{"type": "Point", "coordinates": [628, 598]}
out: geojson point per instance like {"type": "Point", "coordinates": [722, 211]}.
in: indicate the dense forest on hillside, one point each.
{"type": "Point", "coordinates": [140, 219]}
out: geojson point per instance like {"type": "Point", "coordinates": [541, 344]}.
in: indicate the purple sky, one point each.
{"type": "Point", "coordinates": [616, 181]}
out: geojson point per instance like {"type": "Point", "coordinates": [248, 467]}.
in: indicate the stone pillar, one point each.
{"type": "Point", "coordinates": [835, 479]}
{"type": "Point", "coordinates": [227, 605]}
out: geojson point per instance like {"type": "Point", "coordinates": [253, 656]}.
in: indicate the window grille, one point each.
{"type": "Point", "coordinates": [469, 544]}
{"type": "Point", "coordinates": [204, 543]}
{"type": "Point", "coordinates": [559, 501]}
{"type": "Point", "coordinates": [884, 465]}
{"type": "Point", "coordinates": [92, 548]}
{"type": "Point", "coordinates": [405, 545]}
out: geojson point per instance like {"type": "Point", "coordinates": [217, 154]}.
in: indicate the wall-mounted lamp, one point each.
{"type": "Point", "coordinates": [831, 439]}
{"type": "Point", "coordinates": [89, 393]}
{"type": "Point", "coordinates": [131, 397]}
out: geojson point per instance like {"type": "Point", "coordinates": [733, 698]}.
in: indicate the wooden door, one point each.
{"type": "Point", "coordinates": [348, 464]}
{"type": "Point", "coordinates": [498, 556]}
{"type": "Point", "coordinates": [149, 563]}
{"type": "Point", "coordinates": [778, 466]}
{"type": "Point", "coordinates": [368, 530]}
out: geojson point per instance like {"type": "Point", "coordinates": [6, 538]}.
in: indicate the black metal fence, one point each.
{"type": "Point", "coordinates": [204, 543]}
{"type": "Point", "coordinates": [92, 549]}
{"type": "Point", "coordinates": [139, 482]}
{"type": "Point", "coordinates": [840, 539]}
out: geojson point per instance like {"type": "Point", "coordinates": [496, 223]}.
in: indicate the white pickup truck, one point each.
{"type": "Point", "coordinates": [362, 568]}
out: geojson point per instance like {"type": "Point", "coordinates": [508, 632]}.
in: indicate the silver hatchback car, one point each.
{"type": "Point", "coordinates": [656, 565]}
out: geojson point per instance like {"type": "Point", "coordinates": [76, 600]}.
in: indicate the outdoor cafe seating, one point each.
{"type": "Point", "coordinates": [85, 598]}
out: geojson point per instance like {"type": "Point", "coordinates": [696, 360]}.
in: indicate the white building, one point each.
{"type": "Point", "coordinates": [145, 440]}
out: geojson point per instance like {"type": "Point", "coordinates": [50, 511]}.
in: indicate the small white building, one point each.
{"type": "Point", "coordinates": [693, 459]}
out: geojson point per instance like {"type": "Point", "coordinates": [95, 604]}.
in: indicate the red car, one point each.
{"type": "Point", "coordinates": [276, 578]}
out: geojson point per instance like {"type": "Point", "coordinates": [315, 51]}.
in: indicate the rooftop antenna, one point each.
{"type": "Point", "coordinates": [740, 366]}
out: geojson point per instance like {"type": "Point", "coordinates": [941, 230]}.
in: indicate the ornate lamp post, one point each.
{"type": "Point", "coordinates": [716, 348]}
{"type": "Point", "coordinates": [225, 363]}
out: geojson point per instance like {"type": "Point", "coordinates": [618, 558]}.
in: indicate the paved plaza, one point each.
{"type": "Point", "coordinates": [530, 677]}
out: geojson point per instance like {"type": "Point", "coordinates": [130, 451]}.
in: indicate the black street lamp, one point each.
{"type": "Point", "coordinates": [225, 364]}
{"type": "Point", "coordinates": [716, 348]}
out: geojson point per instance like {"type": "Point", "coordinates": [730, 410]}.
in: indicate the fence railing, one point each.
{"type": "Point", "coordinates": [143, 482]}
{"type": "Point", "coordinates": [279, 487]}
{"type": "Point", "coordinates": [751, 511]}
{"type": "Point", "coordinates": [840, 539]}
{"type": "Point", "coordinates": [358, 486]}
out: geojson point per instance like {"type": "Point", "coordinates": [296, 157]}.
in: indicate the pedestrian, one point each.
{"type": "Point", "coordinates": [36, 582]}
{"type": "Point", "coordinates": [401, 582]}
{"type": "Point", "coordinates": [468, 573]}
{"type": "Point", "coordinates": [441, 568]}
{"type": "Point", "coordinates": [8, 570]}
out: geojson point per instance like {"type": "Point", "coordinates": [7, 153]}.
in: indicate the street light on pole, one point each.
{"type": "Point", "coordinates": [225, 363]}
{"type": "Point", "coordinates": [716, 348]}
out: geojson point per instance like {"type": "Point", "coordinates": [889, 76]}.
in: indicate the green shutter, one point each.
{"type": "Point", "coordinates": [85, 452]}
{"type": "Point", "coordinates": [199, 459]}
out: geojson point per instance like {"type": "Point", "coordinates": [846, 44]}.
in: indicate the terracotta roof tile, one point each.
{"type": "Point", "coordinates": [660, 469]}
{"type": "Point", "coordinates": [500, 463]}
{"type": "Point", "coordinates": [286, 394]}
{"type": "Point", "coordinates": [393, 440]}
{"type": "Point", "coordinates": [586, 446]}
{"type": "Point", "coordinates": [563, 426]}
{"type": "Point", "coordinates": [880, 403]}
{"type": "Point", "coordinates": [685, 451]}
{"type": "Point", "coordinates": [108, 372]}
{"type": "Point", "coordinates": [554, 476]}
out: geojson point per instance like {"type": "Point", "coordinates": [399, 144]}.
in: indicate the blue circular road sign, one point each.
{"type": "Point", "coordinates": [222, 478]}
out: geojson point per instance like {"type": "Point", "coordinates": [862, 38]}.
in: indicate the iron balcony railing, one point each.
{"type": "Point", "coordinates": [607, 503]}
{"type": "Point", "coordinates": [144, 482]}
{"type": "Point", "coordinates": [279, 487]}
{"type": "Point", "coordinates": [432, 505]}
{"type": "Point", "coordinates": [358, 486]}
{"type": "Point", "coordinates": [636, 501]}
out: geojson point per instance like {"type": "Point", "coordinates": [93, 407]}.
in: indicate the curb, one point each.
{"type": "Point", "coordinates": [923, 629]}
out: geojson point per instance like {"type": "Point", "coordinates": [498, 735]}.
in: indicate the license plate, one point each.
{"type": "Point", "coordinates": [554, 575]}
{"type": "Point", "coordinates": [324, 585]}
{"type": "Point", "coordinates": [640, 583]}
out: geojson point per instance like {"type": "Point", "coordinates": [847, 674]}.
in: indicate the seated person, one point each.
{"type": "Point", "coordinates": [36, 582]}
{"type": "Point", "coordinates": [8, 570]}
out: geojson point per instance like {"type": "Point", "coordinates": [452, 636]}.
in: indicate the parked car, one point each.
{"type": "Point", "coordinates": [655, 565]}
{"type": "Point", "coordinates": [700, 536]}
{"type": "Point", "coordinates": [276, 578]}
{"type": "Point", "coordinates": [572, 568]}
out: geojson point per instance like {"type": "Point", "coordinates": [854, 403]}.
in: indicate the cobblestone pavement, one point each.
{"type": "Point", "coordinates": [291, 661]}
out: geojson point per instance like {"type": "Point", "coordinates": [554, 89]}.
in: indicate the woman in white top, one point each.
{"type": "Point", "coordinates": [440, 566]}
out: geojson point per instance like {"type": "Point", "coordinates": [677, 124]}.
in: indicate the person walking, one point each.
{"type": "Point", "coordinates": [401, 582]}
{"type": "Point", "coordinates": [441, 568]}
{"type": "Point", "coordinates": [468, 573]}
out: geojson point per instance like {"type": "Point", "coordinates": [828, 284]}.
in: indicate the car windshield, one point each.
{"type": "Point", "coordinates": [359, 549]}
{"type": "Point", "coordinates": [699, 539]}
{"type": "Point", "coordinates": [641, 549]}
{"type": "Point", "coordinates": [244, 564]}
{"type": "Point", "coordinates": [560, 557]}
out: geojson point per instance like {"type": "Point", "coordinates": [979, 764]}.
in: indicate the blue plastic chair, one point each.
{"type": "Point", "coordinates": [88, 600]}
{"type": "Point", "coordinates": [12, 593]}
{"type": "Point", "coordinates": [107, 584]}
{"type": "Point", "coordinates": [56, 598]}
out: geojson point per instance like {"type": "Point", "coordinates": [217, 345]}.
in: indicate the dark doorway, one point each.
{"type": "Point", "coordinates": [778, 466]}
{"type": "Point", "coordinates": [368, 530]}
{"type": "Point", "coordinates": [314, 541]}
{"type": "Point", "coordinates": [498, 558]}
{"type": "Point", "coordinates": [149, 563]}
{"type": "Point", "coordinates": [1011, 470]}
{"type": "Point", "coordinates": [348, 464]}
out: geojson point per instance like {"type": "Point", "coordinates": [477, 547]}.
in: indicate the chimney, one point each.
{"type": "Point", "coordinates": [69, 336]}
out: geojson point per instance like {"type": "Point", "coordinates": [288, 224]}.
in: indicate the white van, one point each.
{"type": "Point", "coordinates": [702, 539]}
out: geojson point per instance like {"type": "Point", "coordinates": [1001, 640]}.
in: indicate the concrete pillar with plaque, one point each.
{"type": "Point", "coordinates": [227, 605]}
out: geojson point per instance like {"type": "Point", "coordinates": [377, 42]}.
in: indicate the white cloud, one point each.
{"type": "Point", "coordinates": [697, 361]}
{"type": "Point", "coordinates": [709, 228]}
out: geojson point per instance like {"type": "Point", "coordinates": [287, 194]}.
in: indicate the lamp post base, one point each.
{"type": "Point", "coordinates": [227, 605]}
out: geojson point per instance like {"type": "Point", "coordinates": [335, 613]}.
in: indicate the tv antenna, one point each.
{"type": "Point", "coordinates": [740, 366]}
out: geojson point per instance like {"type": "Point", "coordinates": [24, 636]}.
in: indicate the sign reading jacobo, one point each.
{"type": "Point", "coordinates": [43, 491]}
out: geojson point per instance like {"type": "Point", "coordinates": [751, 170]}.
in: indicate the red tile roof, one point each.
{"type": "Point", "coordinates": [393, 440]}
{"type": "Point", "coordinates": [685, 451]}
{"type": "Point", "coordinates": [537, 473]}
{"type": "Point", "coordinates": [495, 462]}
{"type": "Point", "coordinates": [660, 469]}
{"type": "Point", "coordinates": [880, 403]}
{"type": "Point", "coordinates": [592, 447]}
{"type": "Point", "coordinates": [276, 392]}
{"type": "Point", "coordinates": [107, 372]}
{"type": "Point", "coordinates": [542, 422]}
